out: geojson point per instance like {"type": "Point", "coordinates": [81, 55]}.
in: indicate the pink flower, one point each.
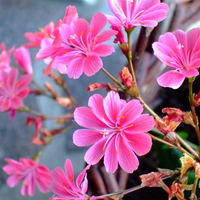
{"type": "Point", "coordinates": [12, 91]}
{"type": "Point", "coordinates": [30, 173]}
{"type": "Point", "coordinates": [49, 45]}
{"type": "Point", "coordinates": [132, 13]}
{"type": "Point", "coordinates": [5, 57]}
{"type": "Point", "coordinates": [180, 51]}
{"type": "Point", "coordinates": [116, 129]}
{"type": "Point", "coordinates": [81, 46]}
{"type": "Point", "coordinates": [36, 38]}
{"type": "Point", "coordinates": [64, 186]}
{"type": "Point", "coordinates": [22, 58]}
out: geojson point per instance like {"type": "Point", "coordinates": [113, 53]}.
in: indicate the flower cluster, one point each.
{"type": "Point", "coordinates": [116, 127]}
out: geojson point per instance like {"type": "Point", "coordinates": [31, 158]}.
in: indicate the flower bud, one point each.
{"type": "Point", "coordinates": [171, 137]}
{"type": "Point", "coordinates": [96, 86]}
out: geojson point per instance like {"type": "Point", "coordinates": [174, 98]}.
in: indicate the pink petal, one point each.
{"type": "Point", "coordinates": [86, 118]}
{"type": "Point", "coordinates": [112, 105]}
{"type": "Point", "coordinates": [96, 104]}
{"type": "Point", "coordinates": [143, 123]}
{"type": "Point", "coordinates": [129, 113]}
{"type": "Point", "coordinates": [140, 143]}
{"type": "Point", "coordinates": [13, 180]}
{"type": "Point", "coordinates": [23, 93]}
{"type": "Point", "coordinates": [22, 57]}
{"type": "Point", "coordinates": [76, 67]}
{"type": "Point", "coordinates": [80, 178]}
{"type": "Point", "coordinates": [69, 171]}
{"type": "Point", "coordinates": [110, 158]}
{"type": "Point", "coordinates": [127, 159]}
{"type": "Point", "coordinates": [193, 39]}
{"type": "Point", "coordinates": [105, 36]}
{"type": "Point", "coordinates": [23, 81]}
{"type": "Point", "coordinates": [96, 152]}
{"type": "Point", "coordinates": [103, 50]}
{"type": "Point", "coordinates": [172, 79]}
{"type": "Point", "coordinates": [59, 178]}
{"type": "Point", "coordinates": [191, 72]}
{"type": "Point", "coordinates": [113, 20]}
{"type": "Point", "coordinates": [92, 65]}
{"type": "Point", "coordinates": [5, 105]}
{"type": "Point", "coordinates": [15, 103]}
{"type": "Point", "coordinates": [85, 137]}
{"type": "Point", "coordinates": [97, 23]}
{"type": "Point", "coordinates": [70, 14]}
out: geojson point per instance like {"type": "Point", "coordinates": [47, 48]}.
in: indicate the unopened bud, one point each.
{"type": "Point", "coordinates": [126, 77]}
{"type": "Point", "coordinates": [50, 89]}
{"type": "Point", "coordinates": [96, 86]}
{"type": "Point", "coordinates": [188, 119]}
{"type": "Point", "coordinates": [171, 137]}
{"type": "Point", "coordinates": [64, 101]}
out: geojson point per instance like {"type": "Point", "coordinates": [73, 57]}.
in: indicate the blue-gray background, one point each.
{"type": "Point", "coordinates": [16, 18]}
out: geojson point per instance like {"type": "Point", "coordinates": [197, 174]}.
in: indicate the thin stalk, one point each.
{"type": "Point", "coordinates": [195, 118]}
{"type": "Point", "coordinates": [42, 90]}
{"type": "Point", "coordinates": [112, 77]}
{"type": "Point", "coordinates": [193, 193]}
{"type": "Point", "coordinates": [44, 117]}
{"type": "Point", "coordinates": [127, 191]}
{"type": "Point", "coordinates": [129, 56]}
{"type": "Point", "coordinates": [187, 146]}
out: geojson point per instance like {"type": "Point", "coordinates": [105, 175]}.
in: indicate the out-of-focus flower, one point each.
{"type": "Point", "coordinates": [132, 13]}
{"type": "Point", "coordinates": [177, 190]}
{"type": "Point", "coordinates": [23, 59]}
{"type": "Point", "coordinates": [96, 86]}
{"type": "Point", "coordinates": [12, 91]}
{"type": "Point", "coordinates": [178, 50]}
{"type": "Point", "coordinates": [152, 179]}
{"type": "Point", "coordinates": [81, 46]}
{"type": "Point", "coordinates": [30, 173]}
{"type": "Point", "coordinates": [120, 35]}
{"type": "Point", "coordinates": [38, 125]}
{"type": "Point", "coordinates": [64, 185]}
{"type": "Point", "coordinates": [36, 38]}
{"type": "Point", "coordinates": [5, 57]}
{"type": "Point", "coordinates": [186, 163]}
{"type": "Point", "coordinates": [116, 129]}
{"type": "Point", "coordinates": [170, 122]}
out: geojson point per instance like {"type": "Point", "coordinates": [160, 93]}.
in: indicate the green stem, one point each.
{"type": "Point", "coordinates": [42, 91]}
{"type": "Point", "coordinates": [195, 118]}
{"type": "Point", "coordinates": [129, 56]}
{"type": "Point", "coordinates": [127, 191]}
{"type": "Point", "coordinates": [187, 146]}
{"type": "Point", "coordinates": [112, 78]}
{"type": "Point", "coordinates": [149, 109]}
{"type": "Point", "coordinates": [27, 109]}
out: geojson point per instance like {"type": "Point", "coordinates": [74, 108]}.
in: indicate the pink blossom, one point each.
{"type": "Point", "coordinates": [12, 91]}
{"type": "Point", "coordinates": [132, 13]}
{"type": "Point", "coordinates": [23, 59]}
{"type": "Point", "coordinates": [30, 173]}
{"type": "Point", "coordinates": [178, 50]}
{"type": "Point", "coordinates": [81, 46]}
{"type": "Point", "coordinates": [5, 57]}
{"type": "Point", "coordinates": [36, 38]}
{"type": "Point", "coordinates": [116, 130]}
{"type": "Point", "coordinates": [64, 185]}
{"type": "Point", "coordinates": [49, 45]}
